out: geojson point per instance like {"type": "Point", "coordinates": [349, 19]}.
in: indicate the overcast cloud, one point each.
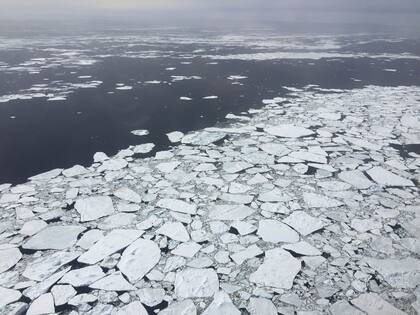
{"type": "Point", "coordinates": [398, 12]}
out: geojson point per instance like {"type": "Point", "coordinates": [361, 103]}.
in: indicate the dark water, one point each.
{"type": "Point", "coordinates": [50, 134]}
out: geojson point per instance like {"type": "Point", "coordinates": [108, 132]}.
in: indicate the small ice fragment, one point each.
{"type": "Point", "coordinates": [140, 132]}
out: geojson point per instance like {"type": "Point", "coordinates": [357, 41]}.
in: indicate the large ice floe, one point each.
{"type": "Point", "coordinates": [307, 209]}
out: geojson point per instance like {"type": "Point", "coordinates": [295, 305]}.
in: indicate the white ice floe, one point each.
{"type": "Point", "coordinates": [42, 305]}
{"type": "Point", "coordinates": [304, 223]}
{"type": "Point", "coordinates": [387, 178]}
{"type": "Point", "coordinates": [399, 273]}
{"type": "Point", "coordinates": [62, 293]}
{"type": "Point", "coordinates": [196, 283]}
{"type": "Point", "coordinates": [235, 167]}
{"type": "Point", "coordinates": [45, 266]}
{"type": "Point", "coordinates": [93, 208]}
{"type": "Point", "coordinates": [288, 131]}
{"type": "Point", "coordinates": [175, 231]}
{"type": "Point", "coordinates": [138, 259]}
{"type": "Point", "coordinates": [168, 167]}
{"type": "Point", "coordinates": [32, 227]}
{"type": "Point", "coordinates": [151, 296]}
{"type": "Point", "coordinates": [275, 195]}
{"type": "Point", "coordinates": [8, 258]}
{"type": "Point", "coordinates": [124, 87]}
{"type": "Point", "coordinates": [248, 253]}
{"type": "Point", "coordinates": [278, 270]}
{"type": "Point", "coordinates": [374, 304]}
{"type": "Point", "coordinates": [221, 305]}
{"type": "Point", "coordinates": [177, 205]}
{"type": "Point", "coordinates": [319, 201]}
{"type": "Point", "coordinates": [175, 136]}
{"type": "Point", "coordinates": [355, 178]}
{"type": "Point", "coordinates": [76, 170]}
{"type": "Point", "coordinates": [111, 243]}
{"type": "Point", "coordinates": [259, 306]}
{"type": "Point", "coordinates": [83, 277]}
{"type": "Point", "coordinates": [302, 248]}
{"type": "Point", "coordinates": [275, 149]}
{"type": "Point", "coordinates": [236, 77]}
{"type": "Point", "coordinates": [176, 78]}
{"type": "Point", "coordinates": [140, 132]}
{"type": "Point", "coordinates": [308, 156]}
{"type": "Point", "coordinates": [307, 55]}
{"type": "Point", "coordinates": [230, 212]}
{"type": "Point", "coordinates": [112, 165]}
{"type": "Point", "coordinates": [8, 296]}
{"type": "Point", "coordinates": [133, 308]}
{"type": "Point", "coordinates": [211, 97]}
{"type": "Point", "coordinates": [128, 194]}
{"type": "Point", "coordinates": [54, 237]}
{"type": "Point", "coordinates": [203, 138]}
{"type": "Point", "coordinates": [47, 175]}
{"type": "Point", "coordinates": [344, 308]}
{"type": "Point", "coordinates": [185, 307]}
{"type": "Point", "coordinates": [57, 98]}
{"type": "Point", "coordinates": [187, 250]}
{"type": "Point", "coordinates": [143, 148]}
{"type": "Point", "coordinates": [274, 231]}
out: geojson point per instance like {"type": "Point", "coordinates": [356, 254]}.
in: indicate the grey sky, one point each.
{"type": "Point", "coordinates": [88, 7]}
{"type": "Point", "coordinates": [404, 12]}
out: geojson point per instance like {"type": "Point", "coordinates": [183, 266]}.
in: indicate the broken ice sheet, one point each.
{"type": "Point", "coordinates": [355, 178]}
{"type": "Point", "coordinates": [203, 138]}
{"type": "Point", "coordinates": [111, 243]}
{"type": "Point", "coordinates": [230, 212]}
{"type": "Point", "coordinates": [304, 223]}
{"type": "Point", "coordinates": [175, 136]}
{"type": "Point", "coordinates": [399, 273]}
{"type": "Point", "coordinates": [278, 270]}
{"type": "Point", "coordinates": [194, 283]}
{"type": "Point", "coordinates": [208, 213]}
{"type": "Point", "coordinates": [46, 265]}
{"type": "Point", "coordinates": [275, 232]}
{"type": "Point", "coordinates": [8, 258]}
{"type": "Point", "coordinates": [127, 194]}
{"type": "Point", "coordinates": [177, 205]}
{"type": "Point", "coordinates": [138, 259]}
{"type": "Point", "coordinates": [93, 208]}
{"type": "Point", "coordinates": [387, 178]}
{"type": "Point", "coordinates": [320, 201]}
{"type": "Point", "coordinates": [288, 131]}
{"type": "Point", "coordinates": [83, 276]}
{"type": "Point", "coordinates": [54, 237]}
{"type": "Point", "coordinates": [221, 305]}
{"type": "Point", "coordinates": [373, 304]}
{"type": "Point", "coordinates": [175, 231]}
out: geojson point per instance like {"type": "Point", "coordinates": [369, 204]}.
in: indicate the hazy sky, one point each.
{"type": "Point", "coordinates": [405, 12]}
{"type": "Point", "coordinates": [98, 6]}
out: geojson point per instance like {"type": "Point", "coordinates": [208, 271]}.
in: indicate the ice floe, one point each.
{"type": "Point", "coordinates": [194, 283]}
{"type": "Point", "coordinates": [278, 270]}
{"type": "Point", "coordinates": [285, 210]}
{"type": "Point", "coordinates": [288, 131]}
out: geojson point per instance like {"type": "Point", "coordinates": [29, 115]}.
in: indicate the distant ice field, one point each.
{"type": "Point", "coordinates": [64, 98]}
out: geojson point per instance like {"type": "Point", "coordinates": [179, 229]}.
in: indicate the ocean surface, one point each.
{"type": "Point", "coordinates": [65, 97]}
